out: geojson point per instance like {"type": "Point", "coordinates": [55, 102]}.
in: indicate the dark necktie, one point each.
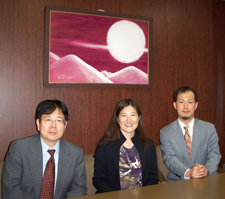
{"type": "Point", "coordinates": [188, 141]}
{"type": "Point", "coordinates": [48, 181]}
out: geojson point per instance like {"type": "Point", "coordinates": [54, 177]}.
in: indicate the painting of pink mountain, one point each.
{"type": "Point", "coordinates": [72, 69]}
{"type": "Point", "coordinates": [96, 49]}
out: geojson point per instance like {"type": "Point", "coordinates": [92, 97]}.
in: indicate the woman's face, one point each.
{"type": "Point", "coordinates": [128, 120]}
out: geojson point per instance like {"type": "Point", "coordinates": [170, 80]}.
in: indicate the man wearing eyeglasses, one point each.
{"type": "Point", "coordinates": [28, 159]}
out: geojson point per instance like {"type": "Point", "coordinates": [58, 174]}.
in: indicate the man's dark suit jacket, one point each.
{"type": "Point", "coordinates": [23, 170]}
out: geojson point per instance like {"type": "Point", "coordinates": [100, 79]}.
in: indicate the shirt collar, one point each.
{"type": "Point", "coordinates": [190, 125]}
{"type": "Point", "coordinates": [45, 147]}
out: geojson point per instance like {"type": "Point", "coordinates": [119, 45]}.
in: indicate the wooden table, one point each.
{"type": "Point", "coordinates": [212, 187]}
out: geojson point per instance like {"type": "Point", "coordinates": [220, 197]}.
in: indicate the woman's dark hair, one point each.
{"type": "Point", "coordinates": [48, 106]}
{"type": "Point", "coordinates": [184, 89]}
{"type": "Point", "coordinates": [113, 131]}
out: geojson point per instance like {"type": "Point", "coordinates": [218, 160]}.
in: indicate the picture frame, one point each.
{"type": "Point", "coordinates": [85, 48]}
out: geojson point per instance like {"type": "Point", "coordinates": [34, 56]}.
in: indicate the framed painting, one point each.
{"type": "Point", "coordinates": [86, 48]}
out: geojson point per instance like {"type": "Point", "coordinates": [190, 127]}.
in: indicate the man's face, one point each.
{"type": "Point", "coordinates": [185, 106]}
{"type": "Point", "coordinates": [51, 127]}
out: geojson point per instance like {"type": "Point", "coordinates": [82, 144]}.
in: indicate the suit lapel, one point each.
{"type": "Point", "coordinates": [36, 163]}
{"type": "Point", "coordinates": [178, 135]}
{"type": "Point", "coordinates": [195, 140]}
{"type": "Point", "coordinates": [64, 164]}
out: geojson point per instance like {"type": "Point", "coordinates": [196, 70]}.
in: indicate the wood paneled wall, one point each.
{"type": "Point", "coordinates": [188, 49]}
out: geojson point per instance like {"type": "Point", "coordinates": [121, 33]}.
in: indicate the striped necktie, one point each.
{"type": "Point", "coordinates": [188, 141]}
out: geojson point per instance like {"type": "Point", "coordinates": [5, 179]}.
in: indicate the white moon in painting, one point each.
{"type": "Point", "coordinates": [126, 41]}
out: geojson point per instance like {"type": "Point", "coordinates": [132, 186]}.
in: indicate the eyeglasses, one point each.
{"type": "Point", "coordinates": [49, 121]}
